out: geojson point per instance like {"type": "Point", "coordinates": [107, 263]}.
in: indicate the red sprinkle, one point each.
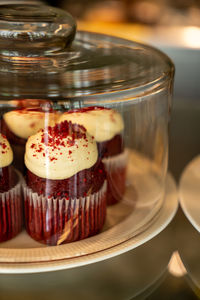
{"type": "Point", "coordinates": [52, 158]}
{"type": "Point", "coordinates": [3, 145]}
{"type": "Point", "coordinates": [54, 136]}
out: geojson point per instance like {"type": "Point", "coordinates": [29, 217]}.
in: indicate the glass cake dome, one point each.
{"type": "Point", "coordinates": [84, 135]}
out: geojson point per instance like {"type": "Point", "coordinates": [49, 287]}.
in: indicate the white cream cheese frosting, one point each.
{"type": "Point", "coordinates": [60, 152]}
{"type": "Point", "coordinates": [101, 123]}
{"type": "Point", "coordinates": [24, 123]}
{"type": "Point", "coordinates": [6, 153]}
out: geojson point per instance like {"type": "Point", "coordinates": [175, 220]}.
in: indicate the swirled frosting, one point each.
{"type": "Point", "coordinates": [101, 123]}
{"type": "Point", "coordinates": [61, 151]}
{"type": "Point", "coordinates": [25, 122]}
{"type": "Point", "coordinates": [6, 153]}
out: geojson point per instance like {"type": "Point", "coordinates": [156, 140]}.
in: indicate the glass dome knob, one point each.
{"type": "Point", "coordinates": [35, 28]}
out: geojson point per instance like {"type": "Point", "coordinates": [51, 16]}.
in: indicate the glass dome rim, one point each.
{"type": "Point", "coordinates": [125, 89]}
{"type": "Point", "coordinates": [146, 88]}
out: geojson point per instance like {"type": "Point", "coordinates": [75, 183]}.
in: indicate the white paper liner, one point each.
{"type": "Point", "coordinates": [11, 217]}
{"type": "Point", "coordinates": [116, 174]}
{"type": "Point", "coordinates": [57, 220]}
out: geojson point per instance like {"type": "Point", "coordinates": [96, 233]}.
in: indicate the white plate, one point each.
{"type": "Point", "coordinates": [164, 217]}
{"type": "Point", "coordinates": [189, 192]}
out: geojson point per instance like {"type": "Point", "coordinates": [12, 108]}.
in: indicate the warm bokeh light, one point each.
{"type": "Point", "coordinates": [172, 36]}
{"type": "Point", "coordinates": [191, 36]}
{"type": "Point", "coordinates": [176, 267]}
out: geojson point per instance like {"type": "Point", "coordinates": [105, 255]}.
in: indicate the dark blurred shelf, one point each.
{"type": "Point", "coordinates": [173, 288]}
{"type": "Point", "coordinates": [184, 141]}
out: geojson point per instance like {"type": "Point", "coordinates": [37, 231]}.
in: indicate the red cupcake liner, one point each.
{"type": "Point", "coordinates": [115, 167]}
{"type": "Point", "coordinates": [54, 221]}
{"type": "Point", "coordinates": [11, 216]}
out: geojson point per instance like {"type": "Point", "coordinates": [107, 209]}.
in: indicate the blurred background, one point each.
{"type": "Point", "coordinates": [149, 12]}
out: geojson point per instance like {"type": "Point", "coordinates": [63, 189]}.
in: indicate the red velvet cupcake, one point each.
{"type": "Point", "coordinates": [65, 194]}
{"type": "Point", "coordinates": [21, 123]}
{"type": "Point", "coordinates": [10, 194]}
{"type": "Point", "coordinates": [106, 126]}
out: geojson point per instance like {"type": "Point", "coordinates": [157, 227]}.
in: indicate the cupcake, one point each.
{"type": "Point", "coordinates": [65, 192]}
{"type": "Point", "coordinates": [106, 126]}
{"type": "Point", "coordinates": [19, 124]}
{"type": "Point", "coordinates": [10, 194]}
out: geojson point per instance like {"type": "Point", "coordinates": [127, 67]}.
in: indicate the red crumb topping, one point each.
{"type": "Point", "coordinates": [4, 147]}
{"type": "Point", "coordinates": [56, 136]}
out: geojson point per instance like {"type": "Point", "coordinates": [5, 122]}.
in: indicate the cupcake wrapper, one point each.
{"type": "Point", "coordinates": [54, 221]}
{"type": "Point", "coordinates": [10, 213]}
{"type": "Point", "coordinates": [116, 175]}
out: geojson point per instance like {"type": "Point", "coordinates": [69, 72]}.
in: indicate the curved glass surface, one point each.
{"type": "Point", "coordinates": [84, 131]}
